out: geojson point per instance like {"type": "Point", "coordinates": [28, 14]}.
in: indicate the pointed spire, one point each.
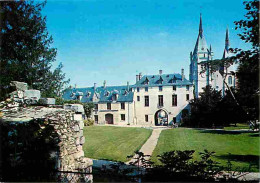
{"type": "Point", "coordinates": [200, 29]}
{"type": "Point", "coordinates": [210, 49]}
{"type": "Point", "coordinates": [227, 40]}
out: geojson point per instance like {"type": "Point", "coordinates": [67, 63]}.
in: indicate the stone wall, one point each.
{"type": "Point", "coordinates": [58, 129]}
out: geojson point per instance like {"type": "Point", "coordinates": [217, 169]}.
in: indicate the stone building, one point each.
{"type": "Point", "coordinates": [152, 100]}
{"type": "Point", "coordinates": [157, 99]}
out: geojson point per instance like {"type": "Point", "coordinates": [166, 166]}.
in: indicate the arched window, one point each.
{"type": "Point", "coordinates": [230, 80]}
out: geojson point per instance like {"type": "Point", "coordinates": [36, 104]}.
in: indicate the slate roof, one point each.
{"type": "Point", "coordinates": [102, 94]}
{"type": "Point", "coordinates": [201, 44]}
{"type": "Point", "coordinates": [166, 80]}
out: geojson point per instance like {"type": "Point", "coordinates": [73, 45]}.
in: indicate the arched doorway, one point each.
{"type": "Point", "coordinates": [109, 119]}
{"type": "Point", "coordinates": [161, 118]}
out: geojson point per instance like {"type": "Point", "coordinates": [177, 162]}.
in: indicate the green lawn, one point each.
{"type": "Point", "coordinates": [113, 143]}
{"type": "Point", "coordinates": [244, 147]}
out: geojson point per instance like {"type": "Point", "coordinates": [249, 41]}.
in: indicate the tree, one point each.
{"type": "Point", "coordinates": [25, 49]}
{"type": "Point", "coordinates": [248, 69]}
{"type": "Point", "coordinates": [205, 110]}
{"type": "Point", "coordinates": [88, 108]}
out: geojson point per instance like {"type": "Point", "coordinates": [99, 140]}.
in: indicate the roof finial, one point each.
{"type": "Point", "coordinates": [227, 40]}
{"type": "Point", "coordinates": [200, 29]}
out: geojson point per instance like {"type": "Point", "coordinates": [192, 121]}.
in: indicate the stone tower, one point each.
{"type": "Point", "coordinates": [200, 54]}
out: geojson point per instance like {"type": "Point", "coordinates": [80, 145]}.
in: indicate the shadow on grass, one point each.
{"type": "Point", "coordinates": [226, 132]}
{"type": "Point", "coordinates": [251, 159]}
{"type": "Point", "coordinates": [255, 135]}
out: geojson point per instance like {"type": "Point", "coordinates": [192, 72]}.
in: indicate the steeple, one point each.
{"type": "Point", "coordinates": [227, 41]}
{"type": "Point", "coordinates": [225, 54]}
{"type": "Point", "coordinates": [201, 45]}
{"type": "Point", "coordinates": [200, 29]}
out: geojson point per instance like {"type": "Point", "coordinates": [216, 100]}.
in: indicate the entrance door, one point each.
{"type": "Point", "coordinates": [109, 118]}
{"type": "Point", "coordinates": [161, 118]}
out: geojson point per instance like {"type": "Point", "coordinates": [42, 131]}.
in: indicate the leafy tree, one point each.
{"type": "Point", "coordinates": [88, 108]}
{"type": "Point", "coordinates": [205, 111]}
{"type": "Point", "coordinates": [248, 69]}
{"type": "Point", "coordinates": [25, 49]}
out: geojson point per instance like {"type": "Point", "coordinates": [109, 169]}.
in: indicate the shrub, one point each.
{"type": "Point", "coordinates": [59, 101]}
{"type": "Point", "coordinates": [88, 122]}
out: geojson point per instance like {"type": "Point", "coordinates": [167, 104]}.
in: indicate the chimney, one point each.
{"type": "Point", "coordinates": [75, 86]}
{"type": "Point", "coordinates": [105, 84]}
{"type": "Point", "coordinates": [160, 72]}
{"type": "Point", "coordinates": [128, 86]}
{"type": "Point", "coordinates": [137, 78]}
{"type": "Point", "coordinates": [182, 74]}
{"type": "Point", "coordinates": [95, 86]}
{"type": "Point", "coordinates": [140, 75]}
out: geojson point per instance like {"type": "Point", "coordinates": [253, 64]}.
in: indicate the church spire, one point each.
{"type": "Point", "coordinates": [227, 40]}
{"type": "Point", "coordinates": [200, 29]}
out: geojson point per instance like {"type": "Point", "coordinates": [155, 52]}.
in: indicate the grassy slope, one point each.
{"type": "Point", "coordinates": [244, 147]}
{"type": "Point", "coordinates": [113, 143]}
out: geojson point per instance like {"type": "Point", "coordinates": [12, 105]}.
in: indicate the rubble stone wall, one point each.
{"type": "Point", "coordinates": [49, 126]}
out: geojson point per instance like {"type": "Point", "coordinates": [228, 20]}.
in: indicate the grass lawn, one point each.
{"type": "Point", "coordinates": [244, 147]}
{"type": "Point", "coordinates": [113, 143]}
{"type": "Point", "coordinates": [237, 127]}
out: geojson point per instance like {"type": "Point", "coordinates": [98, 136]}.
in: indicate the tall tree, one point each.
{"type": "Point", "coordinates": [248, 70]}
{"type": "Point", "coordinates": [25, 49]}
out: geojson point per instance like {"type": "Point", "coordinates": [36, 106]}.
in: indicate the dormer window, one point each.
{"type": "Point", "coordinates": [88, 94]}
{"type": "Point", "coordinates": [106, 93]}
{"type": "Point", "coordinates": [146, 81]}
{"type": "Point", "coordinates": [72, 94]}
{"type": "Point", "coordinates": [115, 97]}
{"type": "Point", "coordinates": [160, 80]}
{"type": "Point", "coordinates": [125, 92]}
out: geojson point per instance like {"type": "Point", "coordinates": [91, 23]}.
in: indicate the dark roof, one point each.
{"type": "Point", "coordinates": [162, 80]}
{"type": "Point", "coordinates": [103, 94]}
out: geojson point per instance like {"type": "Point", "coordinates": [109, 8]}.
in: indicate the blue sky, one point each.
{"type": "Point", "coordinates": [113, 40]}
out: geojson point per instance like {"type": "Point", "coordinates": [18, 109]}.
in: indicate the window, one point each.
{"type": "Point", "coordinates": [146, 89]}
{"type": "Point", "coordinates": [146, 118]}
{"type": "Point", "coordinates": [146, 101]}
{"type": "Point", "coordinates": [160, 100]}
{"type": "Point", "coordinates": [160, 88]}
{"type": "Point", "coordinates": [137, 89]}
{"type": "Point", "coordinates": [174, 100]}
{"type": "Point", "coordinates": [96, 107]}
{"type": "Point", "coordinates": [174, 88]}
{"type": "Point", "coordinates": [187, 87]}
{"type": "Point", "coordinates": [138, 98]}
{"type": "Point", "coordinates": [96, 118]}
{"type": "Point", "coordinates": [108, 106]}
{"type": "Point", "coordinates": [230, 80]}
{"type": "Point", "coordinates": [187, 97]}
{"type": "Point", "coordinates": [122, 117]}
{"type": "Point", "coordinates": [122, 105]}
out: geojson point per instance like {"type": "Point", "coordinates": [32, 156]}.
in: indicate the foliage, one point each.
{"type": "Point", "coordinates": [205, 110]}
{"type": "Point", "coordinates": [248, 69]}
{"type": "Point", "coordinates": [59, 101]}
{"type": "Point", "coordinates": [25, 49]}
{"type": "Point", "coordinates": [88, 108]}
{"type": "Point", "coordinates": [88, 122]}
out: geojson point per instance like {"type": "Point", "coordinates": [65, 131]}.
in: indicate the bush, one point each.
{"type": "Point", "coordinates": [59, 101]}
{"type": "Point", "coordinates": [88, 122]}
